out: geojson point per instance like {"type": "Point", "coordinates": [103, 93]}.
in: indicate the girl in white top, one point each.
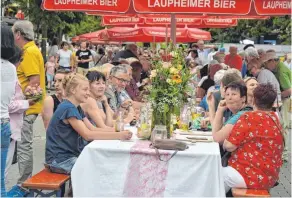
{"type": "Point", "coordinates": [64, 57]}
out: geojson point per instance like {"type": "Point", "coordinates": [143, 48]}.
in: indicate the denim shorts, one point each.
{"type": "Point", "coordinates": [64, 167]}
{"type": "Point", "coordinates": [50, 77]}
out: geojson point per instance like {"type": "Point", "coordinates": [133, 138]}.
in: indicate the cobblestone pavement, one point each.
{"type": "Point", "coordinates": [282, 190]}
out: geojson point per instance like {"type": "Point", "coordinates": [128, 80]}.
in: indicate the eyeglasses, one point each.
{"type": "Point", "coordinates": [121, 80]}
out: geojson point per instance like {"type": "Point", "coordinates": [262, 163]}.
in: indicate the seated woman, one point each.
{"type": "Point", "coordinates": [69, 125]}
{"type": "Point", "coordinates": [51, 102]}
{"type": "Point", "coordinates": [207, 81]}
{"type": "Point", "coordinates": [96, 107]}
{"type": "Point", "coordinates": [256, 143]}
{"type": "Point", "coordinates": [251, 84]}
{"type": "Point", "coordinates": [233, 104]}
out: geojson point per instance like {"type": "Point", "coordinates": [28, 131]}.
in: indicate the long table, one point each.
{"type": "Point", "coordinates": [132, 169]}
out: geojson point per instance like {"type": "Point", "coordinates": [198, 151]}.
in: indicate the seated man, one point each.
{"type": "Point", "coordinates": [51, 102]}
{"type": "Point", "coordinates": [118, 98]}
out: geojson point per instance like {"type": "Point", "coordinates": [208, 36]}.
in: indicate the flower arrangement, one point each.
{"type": "Point", "coordinates": [34, 93]}
{"type": "Point", "coordinates": [169, 88]}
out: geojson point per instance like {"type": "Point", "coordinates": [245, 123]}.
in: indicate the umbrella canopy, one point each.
{"type": "Point", "coordinates": [152, 34]}
{"type": "Point", "coordinates": [87, 36]}
{"type": "Point", "coordinates": [163, 20]}
{"type": "Point", "coordinates": [217, 7]}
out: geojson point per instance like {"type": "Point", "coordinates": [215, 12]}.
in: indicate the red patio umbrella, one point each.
{"type": "Point", "coordinates": [217, 7]}
{"type": "Point", "coordinates": [163, 20]}
{"type": "Point", "coordinates": [152, 34]}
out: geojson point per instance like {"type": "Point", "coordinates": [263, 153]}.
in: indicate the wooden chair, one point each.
{"type": "Point", "coordinates": [241, 192]}
{"type": "Point", "coordinates": [46, 180]}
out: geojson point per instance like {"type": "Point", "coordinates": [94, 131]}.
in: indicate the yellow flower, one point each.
{"type": "Point", "coordinates": [153, 74]}
{"type": "Point", "coordinates": [176, 79]}
{"type": "Point", "coordinates": [179, 67]}
{"type": "Point", "coordinates": [169, 81]}
{"type": "Point", "coordinates": [173, 70]}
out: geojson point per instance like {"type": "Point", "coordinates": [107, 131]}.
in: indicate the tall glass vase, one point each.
{"type": "Point", "coordinates": [163, 118]}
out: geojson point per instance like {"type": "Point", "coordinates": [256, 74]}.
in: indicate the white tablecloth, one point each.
{"type": "Point", "coordinates": [131, 169]}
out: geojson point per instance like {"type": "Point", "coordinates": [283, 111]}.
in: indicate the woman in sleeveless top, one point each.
{"type": "Point", "coordinates": [97, 108]}
{"type": "Point", "coordinates": [51, 102]}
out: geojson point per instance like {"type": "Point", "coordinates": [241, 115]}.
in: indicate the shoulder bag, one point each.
{"type": "Point", "coordinates": [166, 144]}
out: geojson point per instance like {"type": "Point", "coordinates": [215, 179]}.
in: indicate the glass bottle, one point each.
{"type": "Point", "coordinates": [144, 127]}
{"type": "Point", "coordinates": [119, 124]}
{"type": "Point", "coordinates": [185, 117]}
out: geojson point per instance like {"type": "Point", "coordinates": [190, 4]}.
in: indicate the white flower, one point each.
{"type": "Point", "coordinates": [166, 65]}
{"type": "Point", "coordinates": [153, 74]}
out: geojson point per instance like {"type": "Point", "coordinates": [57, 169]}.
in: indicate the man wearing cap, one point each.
{"type": "Point", "coordinates": [130, 51]}
{"type": "Point", "coordinates": [31, 73]}
{"type": "Point", "coordinates": [283, 75]}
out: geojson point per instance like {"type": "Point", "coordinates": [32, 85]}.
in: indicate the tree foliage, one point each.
{"type": "Point", "coordinates": [59, 23]}
{"type": "Point", "coordinates": [88, 24]}
{"type": "Point", "coordinates": [253, 29]}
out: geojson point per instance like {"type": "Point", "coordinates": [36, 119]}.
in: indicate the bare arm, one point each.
{"type": "Point", "coordinates": [218, 122]}
{"type": "Point", "coordinates": [223, 133]}
{"type": "Point", "coordinates": [211, 105]}
{"type": "Point", "coordinates": [209, 46]}
{"type": "Point", "coordinates": [130, 116]}
{"type": "Point", "coordinates": [47, 112]}
{"type": "Point", "coordinates": [92, 110]}
{"type": "Point", "coordinates": [228, 146]}
{"type": "Point", "coordinates": [286, 93]}
{"type": "Point", "coordinates": [77, 59]}
{"type": "Point", "coordinates": [56, 60]}
{"type": "Point", "coordinates": [109, 115]}
{"type": "Point", "coordinates": [89, 135]}
{"type": "Point", "coordinates": [93, 128]}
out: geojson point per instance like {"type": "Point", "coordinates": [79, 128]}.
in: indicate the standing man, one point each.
{"type": "Point", "coordinates": [283, 75]}
{"type": "Point", "coordinates": [203, 51]}
{"type": "Point", "coordinates": [83, 57]}
{"type": "Point", "coordinates": [30, 72]}
{"type": "Point", "coordinates": [232, 59]}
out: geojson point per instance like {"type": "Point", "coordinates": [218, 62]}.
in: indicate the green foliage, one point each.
{"type": "Point", "coordinates": [252, 29]}
{"type": "Point", "coordinates": [71, 23]}
{"type": "Point", "coordinates": [88, 24]}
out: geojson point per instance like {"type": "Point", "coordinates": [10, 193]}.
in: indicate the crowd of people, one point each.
{"type": "Point", "coordinates": [246, 96]}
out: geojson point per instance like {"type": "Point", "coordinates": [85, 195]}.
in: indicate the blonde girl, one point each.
{"type": "Point", "coordinates": [69, 126]}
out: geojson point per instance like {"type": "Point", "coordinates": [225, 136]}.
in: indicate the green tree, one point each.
{"type": "Point", "coordinates": [88, 24]}
{"type": "Point", "coordinates": [253, 29]}
{"type": "Point", "coordinates": [55, 24]}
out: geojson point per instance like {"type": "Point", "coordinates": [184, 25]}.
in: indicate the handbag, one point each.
{"type": "Point", "coordinates": [166, 144]}
{"type": "Point", "coordinates": [225, 158]}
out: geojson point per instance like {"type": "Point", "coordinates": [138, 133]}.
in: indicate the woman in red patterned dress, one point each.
{"type": "Point", "coordinates": [256, 143]}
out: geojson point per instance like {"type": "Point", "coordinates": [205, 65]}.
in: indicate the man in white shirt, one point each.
{"type": "Point", "coordinates": [204, 51]}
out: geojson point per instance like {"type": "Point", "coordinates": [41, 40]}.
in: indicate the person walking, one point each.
{"type": "Point", "coordinates": [31, 73]}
